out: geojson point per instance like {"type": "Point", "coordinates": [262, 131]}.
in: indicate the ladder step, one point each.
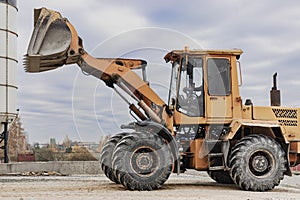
{"type": "Point", "coordinates": [213, 141]}
{"type": "Point", "coordinates": [216, 161]}
{"type": "Point", "coordinates": [214, 146]}
{"type": "Point", "coordinates": [217, 168]}
{"type": "Point", "coordinates": [216, 154]}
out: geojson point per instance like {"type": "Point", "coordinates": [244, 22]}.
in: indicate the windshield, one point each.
{"type": "Point", "coordinates": [190, 99]}
{"type": "Point", "coordinates": [173, 83]}
{"type": "Point", "coordinates": [186, 86]}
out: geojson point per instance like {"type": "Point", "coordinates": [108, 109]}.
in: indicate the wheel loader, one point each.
{"type": "Point", "coordinates": [204, 126]}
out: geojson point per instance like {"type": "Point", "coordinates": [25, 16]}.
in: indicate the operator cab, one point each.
{"type": "Point", "coordinates": [201, 84]}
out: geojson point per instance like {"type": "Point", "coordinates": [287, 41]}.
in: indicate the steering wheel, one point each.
{"type": "Point", "coordinates": [188, 91]}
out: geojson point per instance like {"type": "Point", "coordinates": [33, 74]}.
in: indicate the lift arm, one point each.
{"type": "Point", "coordinates": [55, 42]}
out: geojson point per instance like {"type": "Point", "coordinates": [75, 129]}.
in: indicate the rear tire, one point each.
{"type": "Point", "coordinates": [222, 177]}
{"type": "Point", "coordinates": [142, 161]}
{"type": "Point", "coordinates": [106, 156]}
{"type": "Point", "coordinates": [258, 163]}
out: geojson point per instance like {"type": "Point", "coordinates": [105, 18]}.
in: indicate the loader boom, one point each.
{"type": "Point", "coordinates": [55, 43]}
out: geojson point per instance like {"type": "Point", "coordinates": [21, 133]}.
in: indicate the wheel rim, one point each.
{"type": "Point", "coordinates": [261, 163]}
{"type": "Point", "coordinates": [144, 161]}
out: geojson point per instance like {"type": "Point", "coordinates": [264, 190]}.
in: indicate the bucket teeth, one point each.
{"type": "Point", "coordinates": [39, 63]}
{"type": "Point", "coordinates": [31, 64]}
{"type": "Point", "coordinates": [26, 63]}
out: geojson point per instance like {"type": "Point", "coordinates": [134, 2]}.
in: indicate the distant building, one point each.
{"type": "Point", "coordinates": [52, 143]}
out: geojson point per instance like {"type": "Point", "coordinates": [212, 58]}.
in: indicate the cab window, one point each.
{"type": "Point", "coordinates": [218, 72]}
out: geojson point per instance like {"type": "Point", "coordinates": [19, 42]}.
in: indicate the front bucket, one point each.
{"type": "Point", "coordinates": [49, 43]}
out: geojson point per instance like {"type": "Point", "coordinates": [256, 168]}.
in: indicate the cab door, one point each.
{"type": "Point", "coordinates": [218, 100]}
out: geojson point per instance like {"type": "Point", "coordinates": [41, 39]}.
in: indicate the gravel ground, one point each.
{"type": "Point", "coordinates": [191, 185]}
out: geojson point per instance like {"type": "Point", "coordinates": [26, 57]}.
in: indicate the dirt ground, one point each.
{"type": "Point", "coordinates": [191, 185]}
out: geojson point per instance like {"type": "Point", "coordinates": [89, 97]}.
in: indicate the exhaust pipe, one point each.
{"type": "Point", "coordinates": [54, 42]}
{"type": "Point", "coordinates": [275, 93]}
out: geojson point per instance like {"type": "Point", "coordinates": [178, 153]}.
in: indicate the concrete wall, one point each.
{"type": "Point", "coordinates": [63, 167]}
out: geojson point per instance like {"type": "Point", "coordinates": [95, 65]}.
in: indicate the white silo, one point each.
{"type": "Point", "coordinates": [8, 64]}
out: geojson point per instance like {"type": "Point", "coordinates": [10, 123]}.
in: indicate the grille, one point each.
{"type": "Point", "coordinates": [289, 122]}
{"type": "Point", "coordinates": [290, 116]}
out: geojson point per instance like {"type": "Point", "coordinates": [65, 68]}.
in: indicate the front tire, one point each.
{"type": "Point", "coordinates": [106, 156]}
{"type": "Point", "coordinates": [142, 161]}
{"type": "Point", "coordinates": [258, 163]}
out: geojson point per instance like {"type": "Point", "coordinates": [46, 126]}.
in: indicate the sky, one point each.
{"type": "Point", "coordinates": [66, 102]}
